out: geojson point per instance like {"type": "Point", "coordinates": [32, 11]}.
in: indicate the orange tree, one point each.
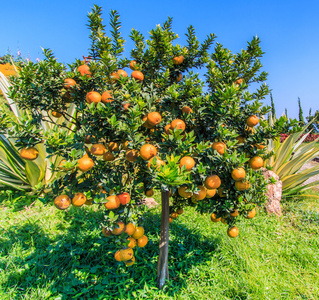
{"type": "Point", "coordinates": [163, 128]}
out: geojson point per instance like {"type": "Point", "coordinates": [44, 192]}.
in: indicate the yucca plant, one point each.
{"type": "Point", "coordinates": [288, 160]}
{"type": "Point", "coordinates": [16, 173]}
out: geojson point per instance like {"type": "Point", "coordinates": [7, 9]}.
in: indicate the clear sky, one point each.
{"type": "Point", "coordinates": [288, 29]}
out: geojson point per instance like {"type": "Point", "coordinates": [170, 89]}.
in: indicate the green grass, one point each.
{"type": "Point", "coordinates": [51, 254]}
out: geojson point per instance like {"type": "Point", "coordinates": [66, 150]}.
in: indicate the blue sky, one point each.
{"type": "Point", "coordinates": [288, 31]}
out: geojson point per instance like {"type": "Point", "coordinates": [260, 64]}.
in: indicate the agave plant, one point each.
{"type": "Point", "coordinates": [288, 160]}
{"type": "Point", "coordinates": [16, 173]}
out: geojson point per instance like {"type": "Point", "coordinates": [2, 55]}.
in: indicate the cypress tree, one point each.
{"type": "Point", "coordinates": [273, 112]}
{"type": "Point", "coordinates": [301, 118]}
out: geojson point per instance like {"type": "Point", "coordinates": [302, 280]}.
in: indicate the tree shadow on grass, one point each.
{"type": "Point", "coordinates": [78, 261]}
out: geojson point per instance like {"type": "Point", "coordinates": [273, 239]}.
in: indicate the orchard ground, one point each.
{"type": "Point", "coordinates": [50, 254]}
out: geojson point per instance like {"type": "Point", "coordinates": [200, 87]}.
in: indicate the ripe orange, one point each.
{"type": "Point", "coordinates": [174, 215]}
{"type": "Point", "coordinates": [180, 211]}
{"type": "Point", "coordinates": [108, 156]}
{"type": "Point", "coordinates": [167, 128]}
{"type": "Point", "coordinates": [188, 162]}
{"type": "Point", "coordinates": [242, 185]}
{"type": "Point", "coordinates": [114, 77]}
{"type": "Point", "coordinates": [133, 65]}
{"type": "Point", "coordinates": [131, 155]}
{"type": "Point", "coordinates": [79, 199]}
{"type": "Point", "coordinates": [113, 146]}
{"type": "Point", "coordinates": [93, 97]}
{"type": "Point", "coordinates": [130, 262]}
{"type": "Point", "coordinates": [214, 218]}
{"type": "Point", "coordinates": [157, 161]}
{"type": "Point", "coordinates": [132, 242]}
{"type": "Point", "coordinates": [29, 153]}
{"type": "Point", "coordinates": [182, 192]}
{"type": "Point", "coordinates": [137, 75]}
{"type": "Point", "coordinates": [179, 77]}
{"type": "Point", "coordinates": [260, 146]}
{"type": "Point", "coordinates": [256, 162]}
{"type": "Point", "coordinates": [118, 228]}
{"type": "Point", "coordinates": [177, 60]}
{"type": "Point", "coordinates": [142, 241]}
{"type": "Point", "coordinates": [239, 81]}
{"type": "Point", "coordinates": [234, 213]}
{"type": "Point", "coordinates": [210, 193]}
{"type": "Point", "coordinates": [84, 70]}
{"type": "Point", "coordinates": [85, 163]}
{"type": "Point", "coordinates": [232, 231]}
{"type": "Point", "coordinates": [106, 233]}
{"type": "Point", "coordinates": [252, 121]}
{"type": "Point", "coordinates": [69, 83]}
{"type": "Point", "coordinates": [251, 214]}
{"type": "Point", "coordinates": [124, 198]}
{"type": "Point", "coordinates": [62, 202]}
{"type": "Point", "coordinates": [170, 220]}
{"type": "Point", "coordinates": [187, 110]}
{"type": "Point", "coordinates": [107, 97]}
{"type": "Point", "coordinates": [117, 256]}
{"type": "Point", "coordinates": [113, 202]}
{"type": "Point", "coordinates": [212, 182]}
{"type": "Point", "coordinates": [149, 193]}
{"type": "Point", "coordinates": [154, 118]}
{"type": "Point", "coordinates": [126, 106]}
{"type": "Point", "coordinates": [126, 254]}
{"type": "Point", "coordinates": [238, 174]}
{"type": "Point", "coordinates": [139, 232]}
{"type": "Point", "coordinates": [56, 114]}
{"type": "Point", "coordinates": [98, 149]}
{"type": "Point", "coordinates": [201, 194]}
{"type": "Point", "coordinates": [130, 228]}
{"type": "Point", "coordinates": [122, 73]}
{"type": "Point", "coordinates": [179, 124]}
{"type": "Point", "coordinates": [240, 139]}
{"type": "Point", "coordinates": [220, 147]}
{"type": "Point", "coordinates": [148, 151]}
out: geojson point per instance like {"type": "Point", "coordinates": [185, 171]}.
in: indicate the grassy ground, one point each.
{"type": "Point", "coordinates": [51, 254]}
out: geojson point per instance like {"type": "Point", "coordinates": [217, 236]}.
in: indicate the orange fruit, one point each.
{"type": "Point", "coordinates": [114, 76]}
{"type": "Point", "coordinates": [167, 128]}
{"type": "Point", "coordinates": [126, 106]}
{"type": "Point", "coordinates": [122, 73]}
{"type": "Point", "coordinates": [137, 75]}
{"type": "Point", "coordinates": [131, 155]}
{"type": "Point", "coordinates": [238, 174]}
{"type": "Point", "coordinates": [130, 228]}
{"type": "Point", "coordinates": [239, 81]}
{"type": "Point", "coordinates": [142, 241]}
{"type": "Point", "coordinates": [223, 220]}
{"type": "Point", "coordinates": [179, 211]}
{"type": "Point", "coordinates": [260, 146]}
{"type": "Point", "coordinates": [85, 163]}
{"type": "Point", "coordinates": [210, 193]}
{"type": "Point", "coordinates": [56, 114]}
{"type": "Point", "coordinates": [179, 77]}
{"type": "Point", "coordinates": [174, 215]}
{"type": "Point", "coordinates": [148, 151]}
{"type": "Point", "coordinates": [182, 192]}
{"type": "Point", "coordinates": [118, 228]}
{"type": "Point", "coordinates": [117, 256]}
{"type": "Point", "coordinates": [106, 97]}
{"type": "Point", "coordinates": [98, 149]}
{"type": "Point", "coordinates": [113, 146]}
{"type": "Point", "coordinates": [214, 218]}
{"type": "Point", "coordinates": [188, 162]}
{"type": "Point", "coordinates": [132, 242]}
{"type": "Point", "coordinates": [212, 182]}
{"type": "Point", "coordinates": [177, 60]}
{"type": "Point", "coordinates": [113, 202]}
{"type": "Point", "coordinates": [252, 121]}
{"type": "Point", "coordinates": [139, 232]}
{"type": "Point", "coordinates": [79, 199]}
{"type": "Point", "coordinates": [251, 214]}
{"type": "Point", "coordinates": [242, 185]}
{"type": "Point", "coordinates": [84, 70]}
{"type": "Point", "coordinates": [157, 161]}
{"type": "Point", "coordinates": [234, 213]}
{"type": "Point", "coordinates": [179, 124]}
{"type": "Point", "coordinates": [106, 233]}
{"type": "Point", "coordinates": [220, 147]}
{"type": "Point", "coordinates": [93, 97]}
{"type": "Point", "coordinates": [62, 202]}
{"type": "Point", "coordinates": [201, 194]}
{"type": "Point", "coordinates": [154, 118]}
{"type": "Point", "coordinates": [170, 220]}
{"type": "Point", "coordinates": [232, 231]}
{"type": "Point", "coordinates": [149, 193]}
{"type": "Point", "coordinates": [133, 65]}
{"type": "Point", "coordinates": [124, 198]}
{"type": "Point", "coordinates": [108, 156]}
{"type": "Point", "coordinates": [69, 83]}
{"type": "Point", "coordinates": [126, 254]}
{"type": "Point", "coordinates": [130, 262]}
{"type": "Point", "coordinates": [256, 162]}
{"type": "Point", "coordinates": [29, 153]}
{"type": "Point", "coordinates": [187, 110]}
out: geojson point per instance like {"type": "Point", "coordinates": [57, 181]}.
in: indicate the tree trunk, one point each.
{"type": "Point", "coordinates": [162, 266]}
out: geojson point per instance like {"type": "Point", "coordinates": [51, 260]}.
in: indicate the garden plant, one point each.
{"type": "Point", "coordinates": [148, 124]}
